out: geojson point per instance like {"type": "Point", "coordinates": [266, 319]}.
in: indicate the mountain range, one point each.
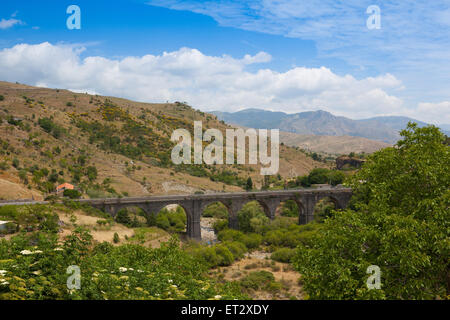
{"type": "Point", "coordinates": [383, 128]}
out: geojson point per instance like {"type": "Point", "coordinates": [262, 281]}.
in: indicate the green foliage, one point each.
{"type": "Point", "coordinates": [49, 126]}
{"type": "Point", "coordinates": [216, 210]}
{"type": "Point", "coordinates": [224, 255]}
{"type": "Point", "coordinates": [256, 280]}
{"type": "Point", "coordinates": [252, 218]}
{"type": "Point", "coordinates": [318, 176]}
{"type": "Point", "coordinates": [251, 240]}
{"type": "Point", "coordinates": [4, 165]}
{"type": "Point", "coordinates": [72, 194]}
{"type": "Point", "coordinates": [171, 220]}
{"type": "Point", "coordinates": [116, 238]}
{"type": "Point", "coordinates": [321, 176]}
{"type": "Point", "coordinates": [283, 255]}
{"type": "Point", "coordinates": [399, 221]}
{"type": "Point", "coordinates": [323, 209]}
{"type": "Point", "coordinates": [133, 140]}
{"type": "Point", "coordinates": [290, 209]}
{"type": "Point", "coordinates": [249, 184]}
{"type": "Point", "coordinates": [228, 177]}
{"type": "Point", "coordinates": [35, 217]}
{"type": "Point", "coordinates": [115, 273]}
{"type": "Point", "coordinates": [15, 163]}
{"type": "Point", "coordinates": [123, 217]}
{"type": "Point", "coordinates": [91, 173]}
{"type": "Point", "coordinates": [220, 224]}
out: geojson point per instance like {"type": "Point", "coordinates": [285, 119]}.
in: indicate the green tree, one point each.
{"type": "Point", "coordinates": [251, 216]}
{"type": "Point", "coordinates": [16, 163]}
{"type": "Point", "coordinates": [318, 176]}
{"type": "Point", "coordinates": [91, 173]}
{"type": "Point", "coordinates": [72, 194]}
{"type": "Point", "coordinates": [249, 184]}
{"type": "Point", "coordinates": [398, 220]}
{"type": "Point", "coordinates": [116, 238]}
{"type": "Point", "coordinates": [335, 177]}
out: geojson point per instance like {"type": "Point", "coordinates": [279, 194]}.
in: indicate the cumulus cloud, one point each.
{"type": "Point", "coordinates": [413, 42]}
{"type": "Point", "coordinates": [206, 82]}
{"type": "Point", "coordinates": [431, 112]}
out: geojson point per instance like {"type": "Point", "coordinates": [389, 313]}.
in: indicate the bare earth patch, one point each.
{"type": "Point", "coordinates": [282, 272]}
{"type": "Point", "coordinates": [99, 233]}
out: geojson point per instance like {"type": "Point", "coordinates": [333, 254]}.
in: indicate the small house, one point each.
{"type": "Point", "coordinates": [64, 186]}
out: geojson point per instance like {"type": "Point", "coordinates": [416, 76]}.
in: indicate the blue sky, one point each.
{"type": "Point", "coordinates": [229, 55]}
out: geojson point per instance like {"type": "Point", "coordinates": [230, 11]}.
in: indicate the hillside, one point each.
{"type": "Point", "coordinates": [332, 145]}
{"type": "Point", "coordinates": [385, 129]}
{"type": "Point", "coordinates": [108, 146]}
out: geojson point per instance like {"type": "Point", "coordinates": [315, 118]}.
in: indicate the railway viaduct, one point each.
{"type": "Point", "coordinates": [194, 204]}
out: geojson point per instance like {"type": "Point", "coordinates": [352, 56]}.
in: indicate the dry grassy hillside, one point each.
{"type": "Point", "coordinates": [108, 146]}
{"type": "Point", "coordinates": [333, 145]}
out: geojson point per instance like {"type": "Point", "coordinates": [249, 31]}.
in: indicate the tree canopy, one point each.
{"type": "Point", "coordinates": [398, 220]}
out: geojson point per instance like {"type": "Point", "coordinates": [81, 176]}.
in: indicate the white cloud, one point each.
{"type": "Point", "coordinates": [413, 42]}
{"type": "Point", "coordinates": [8, 23]}
{"type": "Point", "coordinates": [206, 82]}
{"type": "Point", "coordinates": [433, 112]}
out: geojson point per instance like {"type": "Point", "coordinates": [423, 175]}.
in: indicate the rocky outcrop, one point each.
{"type": "Point", "coordinates": [349, 162]}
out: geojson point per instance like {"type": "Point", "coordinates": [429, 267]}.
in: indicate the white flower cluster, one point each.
{"type": "Point", "coordinates": [3, 282]}
{"type": "Point", "coordinates": [28, 252]}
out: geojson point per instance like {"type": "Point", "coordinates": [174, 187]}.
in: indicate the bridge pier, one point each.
{"type": "Point", "coordinates": [193, 215]}
{"type": "Point", "coordinates": [307, 214]}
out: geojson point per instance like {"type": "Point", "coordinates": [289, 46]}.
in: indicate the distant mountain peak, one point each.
{"type": "Point", "coordinates": [321, 122]}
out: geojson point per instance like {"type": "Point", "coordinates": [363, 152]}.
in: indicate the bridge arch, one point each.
{"type": "Point", "coordinates": [286, 202]}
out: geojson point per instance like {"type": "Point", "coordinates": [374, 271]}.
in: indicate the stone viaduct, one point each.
{"type": "Point", "coordinates": [193, 205]}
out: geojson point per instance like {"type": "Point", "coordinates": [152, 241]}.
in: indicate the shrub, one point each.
{"type": "Point", "coordinates": [251, 216]}
{"type": "Point", "coordinates": [207, 256]}
{"type": "Point", "coordinates": [123, 217]}
{"type": "Point", "coordinates": [252, 240]}
{"type": "Point", "coordinates": [116, 238]}
{"type": "Point", "coordinates": [290, 209]}
{"type": "Point", "coordinates": [216, 210]}
{"type": "Point", "coordinates": [230, 235]}
{"type": "Point", "coordinates": [4, 165]}
{"type": "Point", "coordinates": [283, 255]}
{"type": "Point", "coordinates": [236, 248]}
{"type": "Point", "coordinates": [224, 255]}
{"type": "Point", "coordinates": [257, 280]}
{"type": "Point", "coordinates": [162, 221]}
{"type": "Point", "coordinates": [8, 211]}
{"type": "Point", "coordinates": [220, 225]}
{"type": "Point", "coordinates": [15, 163]}
{"type": "Point", "coordinates": [72, 194]}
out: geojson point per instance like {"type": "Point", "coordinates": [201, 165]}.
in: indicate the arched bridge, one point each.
{"type": "Point", "coordinates": [194, 205]}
